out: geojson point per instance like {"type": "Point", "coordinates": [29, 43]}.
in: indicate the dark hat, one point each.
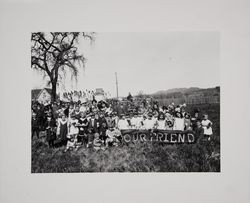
{"type": "Point", "coordinates": [161, 114]}
{"type": "Point", "coordinates": [91, 129]}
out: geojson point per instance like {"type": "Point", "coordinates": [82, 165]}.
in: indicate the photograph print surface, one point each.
{"type": "Point", "coordinates": [125, 102]}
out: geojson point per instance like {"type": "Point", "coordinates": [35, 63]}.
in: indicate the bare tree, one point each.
{"type": "Point", "coordinates": [56, 52]}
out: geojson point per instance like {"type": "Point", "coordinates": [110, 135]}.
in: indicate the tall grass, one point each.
{"type": "Point", "coordinates": [139, 157]}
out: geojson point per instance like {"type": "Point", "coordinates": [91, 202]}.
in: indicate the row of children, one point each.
{"type": "Point", "coordinates": [99, 125]}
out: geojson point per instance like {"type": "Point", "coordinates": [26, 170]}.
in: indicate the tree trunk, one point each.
{"type": "Point", "coordinates": [53, 96]}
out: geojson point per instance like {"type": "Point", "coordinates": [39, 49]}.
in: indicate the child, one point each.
{"type": "Point", "coordinates": [83, 107]}
{"type": "Point", "coordinates": [129, 119]}
{"type": "Point", "coordinates": [207, 126]}
{"type": "Point", "coordinates": [102, 120]}
{"type": "Point", "coordinates": [149, 123]}
{"type": "Point", "coordinates": [194, 120]}
{"type": "Point", "coordinates": [133, 122]}
{"type": "Point", "coordinates": [123, 123]}
{"type": "Point", "coordinates": [118, 134]}
{"type": "Point", "coordinates": [63, 129]}
{"type": "Point", "coordinates": [90, 137]}
{"type": "Point", "coordinates": [202, 139]}
{"type": "Point", "coordinates": [95, 124]}
{"type": "Point", "coordinates": [71, 143]}
{"type": "Point", "coordinates": [139, 122]}
{"type": "Point", "coordinates": [97, 143]}
{"type": "Point", "coordinates": [161, 122]}
{"type": "Point", "coordinates": [155, 116]}
{"type": "Point", "coordinates": [73, 133]}
{"type": "Point", "coordinates": [73, 128]}
{"type": "Point", "coordinates": [102, 132]}
{"type": "Point", "coordinates": [178, 122]}
{"type": "Point", "coordinates": [50, 131]}
{"type": "Point", "coordinates": [109, 121]}
{"type": "Point", "coordinates": [77, 112]}
{"type": "Point", "coordinates": [82, 125]}
{"type": "Point", "coordinates": [35, 130]}
{"type": "Point", "coordinates": [113, 137]}
{"type": "Point", "coordinates": [169, 120]}
{"type": "Point", "coordinates": [115, 119]}
{"type": "Point", "coordinates": [199, 131]}
{"type": "Point", "coordinates": [187, 122]}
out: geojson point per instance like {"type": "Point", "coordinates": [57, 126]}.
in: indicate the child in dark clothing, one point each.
{"type": "Point", "coordinates": [194, 120]}
{"type": "Point", "coordinates": [50, 126]}
{"type": "Point", "coordinates": [199, 131]}
{"type": "Point", "coordinates": [90, 135]}
{"type": "Point", "coordinates": [35, 130]}
{"type": "Point", "coordinates": [82, 125]}
{"type": "Point", "coordinates": [102, 132]}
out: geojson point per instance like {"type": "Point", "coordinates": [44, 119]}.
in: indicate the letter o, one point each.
{"type": "Point", "coordinates": [127, 138]}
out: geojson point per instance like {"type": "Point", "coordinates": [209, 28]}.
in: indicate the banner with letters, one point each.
{"type": "Point", "coordinates": [164, 136]}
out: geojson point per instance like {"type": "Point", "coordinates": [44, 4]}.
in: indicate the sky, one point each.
{"type": "Point", "coordinates": [146, 62]}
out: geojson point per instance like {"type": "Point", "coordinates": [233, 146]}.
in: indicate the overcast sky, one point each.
{"type": "Point", "coordinates": [147, 61]}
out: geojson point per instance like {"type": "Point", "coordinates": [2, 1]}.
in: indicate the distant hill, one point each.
{"type": "Point", "coordinates": [192, 95]}
{"type": "Point", "coordinates": [174, 90]}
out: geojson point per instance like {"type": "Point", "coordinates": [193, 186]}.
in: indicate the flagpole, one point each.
{"type": "Point", "coordinates": [116, 85]}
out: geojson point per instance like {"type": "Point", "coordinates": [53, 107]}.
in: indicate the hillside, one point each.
{"type": "Point", "coordinates": [173, 90]}
{"type": "Point", "coordinates": [192, 95]}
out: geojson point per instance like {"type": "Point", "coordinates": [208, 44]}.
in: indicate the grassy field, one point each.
{"type": "Point", "coordinates": [139, 157]}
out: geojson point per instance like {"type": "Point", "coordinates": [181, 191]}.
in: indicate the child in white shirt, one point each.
{"type": "Point", "coordinates": [73, 133]}
{"type": "Point", "coordinates": [207, 126]}
{"type": "Point", "coordinates": [123, 123]}
{"type": "Point", "coordinates": [149, 123]}
{"type": "Point", "coordinates": [178, 122]}
{"type": "Point", "coordinates": [161, 122]}
{"type": "Point", "coordinates": [113, 136]}
{"type": "Point", "coordinates": [135, 122]}
{"type": "Point", "coordinates": [97, 143]}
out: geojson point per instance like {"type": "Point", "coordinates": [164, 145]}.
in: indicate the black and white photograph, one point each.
{"type": "Point", "coordinates": [125, 102]}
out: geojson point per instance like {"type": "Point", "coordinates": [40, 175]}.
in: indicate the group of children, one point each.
{"type": "Point", "coordinates": [98, 124]}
